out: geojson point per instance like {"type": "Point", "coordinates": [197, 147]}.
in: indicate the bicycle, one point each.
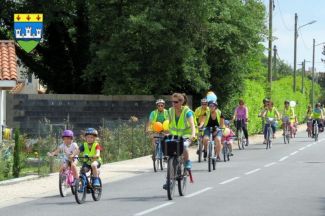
{"type": "Point", "coordinates": [287, 131]}
{"type": "Point", "coordinates": [269, 132]}
{"type": "Point", "coordinates": [240, 134]}
{"type": "Point", "coordinates": [309, 127]}
{"type": "Point", "coordinates": [315, 130]}
{"type": "Point", "coordinates": [83, 185]}
{"type": "Point", "coordinates": [226, 151]}
{"type": "Point", "coordinates": [157, 156]}
{"type": "Point", "coordinates": [176, 172]}
{"type": "Point", "coordinates": [66, 179]}
{"type": "Point", "coordinates": [212, 160]}
{"type": "Point", "coordinates": [199, 150]}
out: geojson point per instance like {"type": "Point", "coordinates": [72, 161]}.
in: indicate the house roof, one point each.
{"type": "Point", "coordinates": [8, 60]}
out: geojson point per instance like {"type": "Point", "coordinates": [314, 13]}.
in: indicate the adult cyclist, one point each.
{"type": "Point", "coordinates": [214, 118]}
{"type": "Point", "coordinates": [202, 110]}
{"type": "Point", "coordinates": [181, 124]}
{"type": "Point", "coordinates": [318, 117]}
{"type": "Point", "coordinates": [160, 114]}
{"type": "Point", "coordinates": [270, 112]}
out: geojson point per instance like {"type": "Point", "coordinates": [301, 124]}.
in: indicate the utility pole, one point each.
{"type": "Point", "coordinates": [303, 75]}
{"type": "Point", "coordinates": [270, 47]}
{"type": "Point", "coordinates": [275, 51]}
{"type": "Point", "coordinates": [295, 53]}
{"type": "Point", "coordinates": [313, 76]}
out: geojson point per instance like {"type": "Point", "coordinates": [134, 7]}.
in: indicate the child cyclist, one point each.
{"type": "Point", "coordinates": [68, 149]}
{"type": "Point", "coordinates": [227, 136]}
{"type": "Point", "coordinates": [91, 148]}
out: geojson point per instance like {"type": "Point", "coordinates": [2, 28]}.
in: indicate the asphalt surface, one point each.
{"type": "Point", "coordinates": [285, 180]}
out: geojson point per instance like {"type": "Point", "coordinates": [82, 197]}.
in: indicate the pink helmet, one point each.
{"type": "Point", "coordinates": [67, 133]}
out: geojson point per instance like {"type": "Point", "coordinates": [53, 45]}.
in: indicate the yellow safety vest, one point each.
{"type": "Point", "coordinates": [271, 114]}
{"type": "Point", "coordinates": [90, 152]}
{"type": "Point", "coordinates": [182, 127]}
{"type": "Point", "coordinates": [155, 115]}
{"type": "Point", "coordinates": [208, 117]}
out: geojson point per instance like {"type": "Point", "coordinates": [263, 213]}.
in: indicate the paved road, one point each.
{"type": "Point", "coordinates": [286, 180]}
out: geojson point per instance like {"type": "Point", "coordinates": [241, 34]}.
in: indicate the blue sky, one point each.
{"type": "Point", "coordinates": [283, 29]}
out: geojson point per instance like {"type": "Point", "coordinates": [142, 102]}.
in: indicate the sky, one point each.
{"type": "Point", "coordinates": [283, 30]}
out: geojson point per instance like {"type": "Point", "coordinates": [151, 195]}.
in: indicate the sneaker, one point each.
{"type": "Point", "coordinates": [231, 154]}
{"type": "Point", "coordinates": [96, 182]}
{"type": "Point", "coordinates": [188, 164]}
{"type": "Point", "coordinates": [246, 143]}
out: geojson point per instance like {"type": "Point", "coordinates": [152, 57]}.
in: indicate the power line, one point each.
{"type": "Point", "coordinates": [282, 19]}
{"type": "Point", "coordinates": [303, 41]}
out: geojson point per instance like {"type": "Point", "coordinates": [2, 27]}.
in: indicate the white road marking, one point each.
{"type": "Point", "coordinates": [270, 164]}
{"type": "Point", "coordinates": [302, 148]}
{"type": "Point", "coordinates": [284, 158]}
{"type": "Point", "coordinates": [252, 171]}
{"type": "Point", "coordinates": [229, 180]}
{"type": "Point", "coordinates": [153, 209]}
{"type": "Point", "coordinates": [198, 192]}
{"type": "Point", "coordinates": [293, 153]}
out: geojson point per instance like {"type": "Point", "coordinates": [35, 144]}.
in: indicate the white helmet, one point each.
{"type": "Point", "coordinates": [160, 101]}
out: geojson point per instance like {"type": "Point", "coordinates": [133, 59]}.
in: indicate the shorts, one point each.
{"type": "Point", "coordinates": [215, 134]}
{"type": "Point", "coordinates": [86, 167]}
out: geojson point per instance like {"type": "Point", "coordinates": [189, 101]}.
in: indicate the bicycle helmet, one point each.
{"type": "Point", "coordinates": [67, 133]}
{"type": "Point", "coordinates": [204, 100]}
{"type": "Point", "coordinates": [286, 102]}
{"type": "Point", "coordinates": [91, 131]}
{"type": "Point", "coordinates": [160, 101]}
{"type": "Point", "coordinates": [215, 103]}
{"type": "Point", "coordinates": [227, 122]}
{"type": "Point", "coordinates": [265, 100]}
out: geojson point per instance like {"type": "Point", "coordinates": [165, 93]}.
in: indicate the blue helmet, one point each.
{"type": "Point", "coordinates": [91, 131]}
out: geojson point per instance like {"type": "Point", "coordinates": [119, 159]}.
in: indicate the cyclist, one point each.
{"type": "Point", "coordinates": [265, 105]}
{"type": "Point", "coordinates": [318, 117]}
{"type": "Point", "coordinates": [241, 117]}
{"type": "Point", "coordinates": [181, 123]}
{"type": "Point", "coordinates": [69, 150]}
{"type": "Point", "coordinates": [213, 118]}
{"type": "Point", "coordinates": [158, 115]}
{"type": "Point", "coordinates": [309, 113]}
{"type": "Point", "coordinates": [288, 115]}
{"type": "Point", "coordinates": [201, 110]}
{"type": "Point", "coordinates": [91, 148]}
{"type": "Point", "coordinates": [270, 112]}
{"type": "Point", "coordinates": [228, 137]}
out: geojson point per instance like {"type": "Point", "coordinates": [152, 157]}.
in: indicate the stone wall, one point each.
{"type": "Point", "coordinates": [26, 111]}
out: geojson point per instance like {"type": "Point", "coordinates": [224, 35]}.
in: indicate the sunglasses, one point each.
{"type": "Point", "coordinates": [204, 104]}
{"type": "Point", "coordinates": [175, 102]}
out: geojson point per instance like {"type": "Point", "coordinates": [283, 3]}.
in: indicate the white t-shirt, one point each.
{"type": "Point", "coordinates": [65, 151]}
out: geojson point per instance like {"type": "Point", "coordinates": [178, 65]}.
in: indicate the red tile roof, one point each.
{"type": "Point", "coordinates": [8, 60]}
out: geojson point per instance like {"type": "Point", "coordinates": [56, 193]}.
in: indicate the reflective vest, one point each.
{"type": "Point", "coordinates": [208, 117]}
{"type": "Point", "coordinates": [90, 152]}
{"type": "Point", "coordinates": [290, 112]}
{"type": "Point", "coordinates": [200, 112]}
{"type": "Point", "coordinates": [270, 113]}
{"type": "Point", "coordinates": [183, 127]}
{"type": "Point", "coordinates": [317, 113]}
{"type": "Point", "coordinates": [155, 115]}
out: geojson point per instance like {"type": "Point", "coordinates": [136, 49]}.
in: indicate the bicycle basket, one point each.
{"type": "Point", "coordinates": [172, 145]}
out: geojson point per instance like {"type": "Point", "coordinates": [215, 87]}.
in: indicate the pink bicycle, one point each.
{"type": "Point", "coordinates": [66, 180]}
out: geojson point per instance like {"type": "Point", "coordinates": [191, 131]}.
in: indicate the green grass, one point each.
{"type": "Point", "coordinates": [28, 46]}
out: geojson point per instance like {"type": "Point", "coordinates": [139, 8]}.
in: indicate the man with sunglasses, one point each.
{"type": "Point", "coordinates": [201, 110]}
{"type": "Point", "coordinates": [213, 118]}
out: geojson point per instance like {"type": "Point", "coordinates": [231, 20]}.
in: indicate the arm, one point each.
{"type": "Point", "coordinates": [53, 153]}
{"type": "Point", "coordinates": [246, 113]}
{"type": "Point", "coordinates": [191, 121]}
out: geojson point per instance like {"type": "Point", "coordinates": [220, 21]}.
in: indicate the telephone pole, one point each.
{"type": "Point", "coordinates": [270, 47]}
{"type": "Point", "coordinates": [295, 53]}
{"type": "Point", "coordinates": [275, 51]}
{"type": "Point", "coordinates": [303, 75]}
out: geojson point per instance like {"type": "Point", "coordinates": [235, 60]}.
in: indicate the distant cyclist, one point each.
{"type": "Point", "coordinates": [213, 118]}
{"type": "Point", "coordinates": [201, 110]}
{"type": "Point", "coordinates": [160, 114]}
{"type": "Point", "coordinates": [318, 117]}
{"type": "Point", "coordinates": [262, 109]}
{"type": "Point", "coordinates": [241, 118]}
{"type": "Point", "coordinates": [288, 115]}
{"type": "Point", "coordinates": [270, 112]}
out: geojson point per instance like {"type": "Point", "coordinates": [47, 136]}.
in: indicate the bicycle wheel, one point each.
{"type": "Point", "coordinates": [96, 192]}
{"type": "Point", "coordinates": [181, 178]}
{"type": "Point", "coordinates": [228, 153]}
{"type": "Point", "coordinates": [224, 152]}
{"type": "Point", "coordinates": [63, 185]}
{"type": "Point", "coordinates": [214, 163]}
{"type": "Point", "coordinates": [80, 191]}
{"type": "Point", "coordinates": [316, 132]}
{"type": "Point", "coordinates": [154, 160]}
{"type": "Point", "coordinates": [171, 181]}
{"type": "Point", "coordinates": [161, 164]}
{"type": "Point", "coordinates": [239, 138]}
{"type": "Point", "coordinates": [209, 156]}
{"type": "Point", "coordinates": [268, 138]}
{"type": "Point", "coordinates": [199, 150]}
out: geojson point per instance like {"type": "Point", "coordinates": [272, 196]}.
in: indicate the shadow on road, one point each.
{"type": "Point", "coordinates": [137, 199]}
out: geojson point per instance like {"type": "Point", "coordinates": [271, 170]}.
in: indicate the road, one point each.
{"type": "Point", "coordinates": [286, 180]}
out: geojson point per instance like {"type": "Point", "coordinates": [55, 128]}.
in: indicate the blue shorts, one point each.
{"type": "Point", "coordinates": [215, 134]}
